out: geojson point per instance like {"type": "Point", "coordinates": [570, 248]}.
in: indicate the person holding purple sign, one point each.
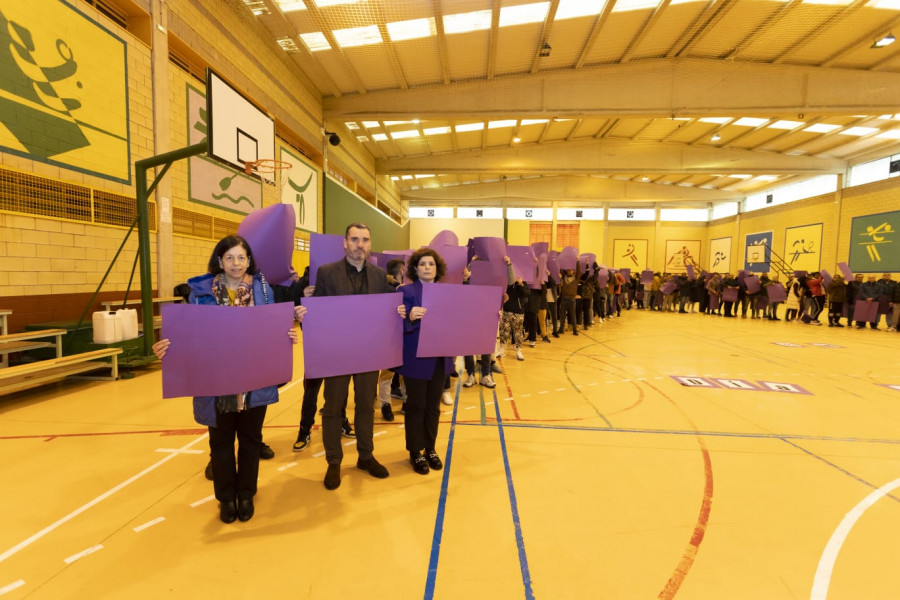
{"type": "Point", "coordinates": [837, 295]}
{"type": "Point", "coordinates": [512, 322]}
{"type": "Point", "coordinates": [424, 376]}
{"type": "Point", "coordinates": [352, 275]}
{"type": "Point", "coordinates": [233, 280]}
{"type": "Point", "coordinates": [869, 291]}
{"type": "Point", "coordinates": [815, 283]}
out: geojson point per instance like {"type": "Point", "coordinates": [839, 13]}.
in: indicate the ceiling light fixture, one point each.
{"type": "Point", "coordinates": [516, 140]}
{"type": "Point", "coordinates": [545, 50]}
{"type": "Point", "coordinates": [715, 138]}
{"type": "Point", "coordinates": [885, 41]}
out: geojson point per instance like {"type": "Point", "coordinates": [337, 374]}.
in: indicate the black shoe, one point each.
{"type": "Point", "coordinates": [419, 464]}
{"type": "Point", "coordinates": [302, 440]}
{"type": "Point", "coordinates": [374, 468]}
{"type": "Point", "coordinates": [245, 509]}
{"type": "Point", "coordinates": [333, 477]}
{"type": "Point", "coordinates": [228, 512]}
{"type": "Point", "coordinates": [434, 461]}
{"type": "Point", "coordinates": [403, 408]}
{"type": "Point", "coordinates": [322, 411]}
{"type": "Point", "coordinates": [575, 332]}
{"type": "Point", "coordinates": [208, 472]}
{"type": "Point", "coordinates": [545, 339]}
{"type": "Point", "coordinates": [838, 325]}
{"type": "Point", "coordinates": [346, 430]}
{"type": "Point", "coordinates": [396, 393]}
{"type": "Point", "coordinates": [554, 334]}
{"type": "Point", "coordinates": [387, 413]}
{"type": "Point", "coordinates": [454, 374]}
{"type": "Point", "coordinates": [266, 452]}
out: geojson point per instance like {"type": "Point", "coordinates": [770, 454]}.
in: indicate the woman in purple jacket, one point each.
{"type": "Point", "coordinates": [424, 376]}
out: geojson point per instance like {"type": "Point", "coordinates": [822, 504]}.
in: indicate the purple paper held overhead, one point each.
{"type": "Point", "coordinates": [826, 276]}
{"type": "Point", "coordinates": [568, 257]}
{"type": "Point", "coordinates": [444, 238]}
{"type": "Point", "coordinates": [753, 283]}
{"type": "Point", "coordinates": [587, 261]}
{"type": "Point", "coordinates": [626, 273]}
{"type": "Point", "coordinates": [540, 248]}
{"type": "Point", "coordinates": [799, 274]}
{"type": "Point", "coordinates": [667, 288]}
{"type": "Point", "coordinates": [324, 248]}
{"type": "Point", "coordinates": [776, 292]}
{"type": "Point", "coordinates": [455, 259]}
{"type": "Point", "coordinates": [845, 271]}
{"type": "Point", "coordinates": [270, 233]}
{"type": "Point", "coordinates": [194, 364]}
{"type": "Point", "coordinates": [553, 266]}
{"type": "Point", "coordinates": [692, 275]}
{"type": "Point", "coordinates": [647, 277]}
{"type": "Point", "coordinates": [488, 272]}
{"type": "Point", "coordinates": [489, 248]}
{"type": "Point", "coordinates": [460, 320]}
{"type": "Point", "coordinates": [541, 272]}
{"type": "Point", "coordinates": [603, 277]}
{"type": "Point", "coordinates": [351, 334]}
{"type": "Point", "coordinates": [522, 259]}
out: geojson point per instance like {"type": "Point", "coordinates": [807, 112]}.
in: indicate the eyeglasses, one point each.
{"type": "Point", "coordinates": [235, 259]}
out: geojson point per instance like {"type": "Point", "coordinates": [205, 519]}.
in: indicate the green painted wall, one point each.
{"type": "Point", "coordinates": [342, 207]}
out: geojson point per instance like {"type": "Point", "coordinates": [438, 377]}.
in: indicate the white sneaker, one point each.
{"type": "Point", "coordinates": [532, 344]}
{"type": "Point", "coordinates": [447, 398]}
{"type": "Point", "coordinates": [519, 354]}
{"type": "Point", "coordinates": [501, 351]}
{"type": "Point", "coordinates": [487, 381]}
{"type": "Point", "coordinates": [470, 381]}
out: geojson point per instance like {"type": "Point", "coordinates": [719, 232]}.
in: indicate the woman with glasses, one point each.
{"type": "Point", "coordinates": [233, 280]}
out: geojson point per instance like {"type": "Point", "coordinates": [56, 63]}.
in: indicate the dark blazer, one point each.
{"type": "Point", "coordinates": [332, 280]}
{"type": "Point", "coordinates": [417, 368]}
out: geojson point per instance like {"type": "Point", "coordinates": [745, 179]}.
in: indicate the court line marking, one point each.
{"type": "Point", "coordinates": [822, 579]}
{"type": "Point", "coordinates": [82, 554]}
{"type": "Point", "coordinates": [287, 466]}
{"type": "Point", "coordinates": [201, 501]}
{"type": "Point", "coordinates": [12, 586]}
{"type": "Point", "coordinates": [177, 451]}
{"type": "Point", "coordinates": [148, 524]}
{"type": "Point", "coordinates": [318, 454]}
{"type": "Point", "coordinates": [53, 526]}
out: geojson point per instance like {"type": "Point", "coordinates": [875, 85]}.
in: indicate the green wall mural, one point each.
{"type": "Point", "coordinates": [343, 207]}
{"type": "Point", "coordinates": [63, 89]}
{"type": "Point", "coordinates": [874, 243]}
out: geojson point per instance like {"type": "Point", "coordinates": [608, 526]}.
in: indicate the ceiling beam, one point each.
{"type": "Point", "coordinates": [657, 88]}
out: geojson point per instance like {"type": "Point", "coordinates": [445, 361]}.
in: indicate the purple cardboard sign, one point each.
{"type": "Point", "coordinates": [626, 273]}
{"type": "Point", "coordinates": [753, 284]}
{"type": "Point", "coordinates": [799, 274]}
{"type": "Point", "coordinates": [460, 320]}
{"type": "Point", "coordinates": [324, 248]}
{"type": "Point", "coordinates": [455, 259]}
{"type": "Point", "coordinates": [444, 238]}
{"type": "Point", "coordinates": [776, 292]}
{"type": "Point", "coordinates": [713, 302]}
{"type": "Point", "coordinates": [194, 364]}
{"type": "Point", "coordinates": [541, 272]}
{"type": "Point", "coordinates": [568, 257]}
{"type": "Point", "coordinates": [270, 233]}
{"type": "Point", "coordinates": [522, 259]}
{"type": "Point", "coordinates": [370, 321]}
{"type": "Point", "coordinates": [690, 271]}
{"type": "Point", "coordinates": [827, 278]}
{"type": "Point", "coordinates": [540, 248]}
{"type": "Point", "coordinates": [647, 277]}
{"type": "Point", "coordinates": [603, 278]}
{"type": "Point", "coordinates": [865, 311]}
{"type": "Point", "coordinates": [488, 272]}
{"type": "Point", "coordinates": [845, 271]}
{"type": "Point", "coordinates": [489, 248]}
{"type": "Point", "coordinates": [729, 295]}
{"type": "Point", "coordinates": [553, 266]}
{"type": "Point", "coordinates": [667, 288]}
{"type": "Point", "coordinates": [587, 261]}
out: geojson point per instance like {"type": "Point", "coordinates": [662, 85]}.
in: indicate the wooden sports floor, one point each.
{"type": "Point", "coordinates": [589, 472]}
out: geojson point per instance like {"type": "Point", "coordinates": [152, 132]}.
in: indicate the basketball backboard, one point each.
{"type": "Point", "coordinates": [239, 131]}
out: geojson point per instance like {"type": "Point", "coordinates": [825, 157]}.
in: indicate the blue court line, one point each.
{"type": "Point", "coordinates": [436, 537]}
{"type": "Point", "coordinates": [514, 506]}
{"type": "Point", "coordinates": [693, 432]}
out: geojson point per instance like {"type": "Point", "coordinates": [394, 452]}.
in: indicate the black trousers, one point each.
{"type": "Point", "coordinates": [337, 389]}
{"type": "Point", "coordinates": [311, 389]}
{"type": "Point", "coordinates": [554, 318]}
{"type": "Point", "coordinates": [566, 308]}
{"type": "Point", "coordinates": [484, 360]}
{"type": "Point", "coordinates": [236, 479]}
{"type": "Point", "coordinates": [423, 409]}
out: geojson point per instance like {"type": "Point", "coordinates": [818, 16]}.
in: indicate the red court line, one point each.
{"type": "Point", "coordinates": [509, 393]}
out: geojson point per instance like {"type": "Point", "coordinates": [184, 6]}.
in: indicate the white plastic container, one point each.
{"type": "Point", "coordinates": [128, 317]}
{"type": "Point", "coordinates": [107, 327]}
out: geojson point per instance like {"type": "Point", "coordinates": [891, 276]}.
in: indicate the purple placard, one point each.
{"type": "Point", "coordinates": [270, 233]}
{"type": "Point", "coordinates": [553, 266]}
{"type": "Point", "coordinates": [667, 288]}
{"type": "Point", "coordinates": [827, 277]}
{"type": "Point", "coordinates": [762, 302]}
{"type": "Point", "coordinates": [461, 320]}
{"type": "Point", "coordinates": [444, 238]}
{"type": "Point", "coordinates": [324, 248]}
{"type": "Point", "coordinates": [729, 295]}
{"type": "Point", "coordinates": [568, 257]}
{"type": "Point", "coordinates": [541, 272]}
{"type": "Point", "coordinates": [603, 278]}
{"type": "Point", "coordinates": [369, 320]}
{"type": "Point", "coordinates": [776, 292]}
{"type": "Point", "coordinates": [884, 305]}
{"type": "Point", "coordinates": [799, 274]}
{"type": "Point", "coordinates": [587, 261]}
{"type": "Point", "coordinates": [690, 271]}
{"type": "Point", "coordinates": [522, 259]}
{"type": "Point", "coordinates": [865, 311]}
{"type": "Point", "coordinates": [845, 270]}
{"type": "Point", "coordinates": [455, 259]}
{"type": "Point", "coordinates": [404, 254]}
{"type": "Point", "coordinates": [626, 273]}
{"type": "Point", "coordinates": [540, 248]}
{"type": "Point", "coordinates": [713, 302]}
{"type": "Point", "coordinates": [488, 272]}
{"type": "Point", "coordinates": [379, 259]}
{"type": "Point", "coordinates": [489, 248]}
{"type": "Point", "coordinates": [753, 284]}
{"type": "Point", "coordinates": [194, 364]}
{"type": "Point", "coordinates": [736, 384]}
{"type": "Point", "coordinates": [647, 277]}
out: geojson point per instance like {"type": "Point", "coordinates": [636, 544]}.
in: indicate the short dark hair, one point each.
{"type": "Point", "coordinates": [358, 226]}
{"type": "Point", "coordinates": [413, 262]}
{"type": "Point", "coordinates": [395, 265]}
{"type": "Point", "coordinates": [225, 244]}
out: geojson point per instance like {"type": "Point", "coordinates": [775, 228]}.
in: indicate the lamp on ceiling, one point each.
{"type": "Point", "coordinates": [715, 137]}
{"type": "Point", "coordinates": [545, 50]}
{"type": "Point", "coordinates": [884, 41]}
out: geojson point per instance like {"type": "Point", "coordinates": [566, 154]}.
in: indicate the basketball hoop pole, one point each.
{"type": "Point", "coordinates": [142, 193]}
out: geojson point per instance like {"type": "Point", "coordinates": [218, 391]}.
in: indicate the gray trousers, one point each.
{"type": "Point", "coordinates": [336, 391]}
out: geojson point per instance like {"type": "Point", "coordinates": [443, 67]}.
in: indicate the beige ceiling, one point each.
{"type": "Point", "coordinates": [687, 102]}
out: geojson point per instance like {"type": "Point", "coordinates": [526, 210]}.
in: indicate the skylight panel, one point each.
{"type": "Point", "coordinates": [411, 30]}
{"type": "Point", "coordinates": [501, 124]}
{"type": "Point", "coordinates": [766, 177]}
{"type": "Point", "coordinates": [534, 121]}
{"type": "Point", "coordinates": [466, 22]}
{"type": "Point", "coordinates": [858, 131]}
{"type": "Point", "coordinates": [436, 130]}
{"type": "Point", "coordinates": [750, 122]}
{"type": "Point", "coordinates": [351, 125]}
{"type": "Point", "coordinates": [423, 175]}
{"type": "Point", "coordinates": [469, 127]}
{"type": "Point", "coordinates": [362, 138]}
{"type": "Point", "coordinates": [716, 120]}
{"type": "Point", "coordinates": [822, 128]}
{"type": "Point", "coordinates": [371, 124]}
{"type": "Point", "coordinates": [523, 13]}
{"type": "Point", "coordinates": [571, 9]}
{"type": "Point", "coordinates": [884, 4]}
{"type": "Point", "coordinates": [358, 36]}
{"type": "Point", "coordinates": [379, 137]}
{"type": "Point", "coordinates": [323, 3]}
{"type": "Point", "coordinates": [291, 5]}
{"type": "Point", "coordinates": [399, 135]}
{"type": "Point", "coordinates": [786, 124]}
{"type": "Point", "coordinates": [829, 2]}
{"type": "Point", "coordinates": [315, 41]}
{"type": "Point", "coordinates": [625, 5]}
{"type": "Point", "coordinates": [894, 134]}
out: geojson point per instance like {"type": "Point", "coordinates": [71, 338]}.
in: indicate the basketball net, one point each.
{"type": "Point", "coordinates": [270, 171]}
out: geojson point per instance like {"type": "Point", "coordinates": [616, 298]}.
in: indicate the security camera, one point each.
{"type": "Point", "coordinates": [333, 138]}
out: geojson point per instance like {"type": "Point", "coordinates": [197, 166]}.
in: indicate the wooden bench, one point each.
{"type": "Point", "coordinates": [28, 340]}
{"type": "Point", "coordinates": [110, 305]}
{"type": "Point", "coordinates": [20, 377]}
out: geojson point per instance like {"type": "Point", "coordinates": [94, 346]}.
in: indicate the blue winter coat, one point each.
{"type": "Point", "coordinates": [201, 293]}
{"type": "Point", "coordinates": [417, 368]}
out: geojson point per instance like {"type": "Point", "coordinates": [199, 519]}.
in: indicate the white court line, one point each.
{"type": "Point", "coordinates": [403, 426]}
{"type": "Point", "coordinates": [375, 435]}
{"type": "Point", "coordinates": [544, 392]}
{"type": "Point", "coordinates": [318, 454]}
{"type": "Point", "coordinates": [826, 563]}
{"type": "Point", "coordinates": [82, 554]}
{"type": "Point", "coordinates": [508, 399]}
{"type": "Point", "coordinates": [595, 383]}
{"type": "Point", "coordinates": [97, 500]}
{"type": "Point", "coordinates": [610, 381]}
{"type": "Point", "coordinates": [560, 389]}
{"type": "Point", "coordinates": [351, 442]}
{"type": "Point", "coordinates": [177, 451]}
{"type": "Point", "coordinates": [626, 380]}
{"type": "Point", "coordinates": [201, 501]}
{"type": "Point", "coordinates": [12, 586]}
{"type": "Point", "coordinates": [469, 408]}
{"type": "Point", "coordinates": [524, 395]}
{"type": "Point", "coordinates": [488, 403]}
{"type": "Point", "coordinates": [287, 466]}
{"type": "Point", "coordinates": [140, 528]}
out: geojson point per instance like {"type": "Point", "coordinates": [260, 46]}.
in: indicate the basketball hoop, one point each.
{"type": "Point", "coordinates": [266, 168]}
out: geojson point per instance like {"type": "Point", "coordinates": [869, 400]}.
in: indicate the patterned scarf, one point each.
{"type": "Point", "coordinates": [243, 297]}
